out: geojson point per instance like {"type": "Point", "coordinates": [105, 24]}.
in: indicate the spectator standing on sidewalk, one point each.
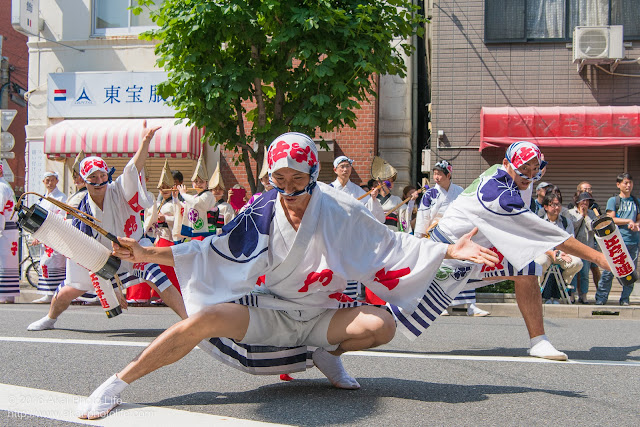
{"type": "Point", "coordinates": [569, 264]}
{"type": "Point", "coordinates": [583, 187]}
{"type": "Point", "coordinates": [625, 211]}
{"type": "Point", "coordinates": [536, 206]}
{"type": "Point", "coordinates": [582, 218]}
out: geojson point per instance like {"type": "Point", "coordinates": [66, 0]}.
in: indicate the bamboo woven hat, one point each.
{"type": "Point", "coordinates": [166, 178]}
{"type": "Point", "coordinates": [381, 170]}
{"type": "Point", "coordinates": [216, 179]}
{"type": "Point", "coordinates": [76, 164]}
{"type": "Point", "coordinates": [201, 169]}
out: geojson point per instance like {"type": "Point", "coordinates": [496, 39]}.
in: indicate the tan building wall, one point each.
{"type": "Point", "coordinates": [468, 74]}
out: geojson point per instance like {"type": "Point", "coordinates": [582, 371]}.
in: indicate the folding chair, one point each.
{"type": "Point", "coordinates": [555, 272]}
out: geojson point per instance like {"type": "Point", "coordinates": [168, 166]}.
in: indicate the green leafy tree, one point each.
{"type": "Point", "coordinates": [250, 70]}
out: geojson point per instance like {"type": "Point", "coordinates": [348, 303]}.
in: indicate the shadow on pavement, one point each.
{"type": "Point", "coordinates": [315, 402]}
{"type": "Point", "coordinates": [117, 333]}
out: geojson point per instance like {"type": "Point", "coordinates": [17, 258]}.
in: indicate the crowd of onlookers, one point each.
{"type": "Point", "coordinates": [575, 216]}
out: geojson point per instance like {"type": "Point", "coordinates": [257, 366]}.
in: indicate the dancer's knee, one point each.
{"type": "Point", "coordinates": [381, 326]}
{"type": "Point", "coordinates": [221, 320]}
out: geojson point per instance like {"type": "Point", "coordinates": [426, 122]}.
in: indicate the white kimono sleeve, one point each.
{"type": "Point", "coordinates": [404, 216]}
{"type": "Point", "coordinates": [373, 204]}
{"type": "Point", "coordinates": [225, 268]}
{"type": "Point", "coordinates": [151, 217]}
{"type": "Point", "coordinates": [134, 189]}
{"type": "Point", "coordinates": [398, 267]}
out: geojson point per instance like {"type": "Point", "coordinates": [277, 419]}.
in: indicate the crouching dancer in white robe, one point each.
{"type": "Point", "coordinates": [289, 235]}
{"type": "Point", "coordinates": [497, 204]}
{"type": "Point", "coordinates": [117, 206]}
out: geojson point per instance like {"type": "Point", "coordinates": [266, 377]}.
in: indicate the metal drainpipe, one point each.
{"type": "Point", "coordinates": [4, 77]}
{"type": "Point", "coordinates": [421, 93]}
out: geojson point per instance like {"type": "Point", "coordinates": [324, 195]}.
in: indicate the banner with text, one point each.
{"type": "Point", "coordinates": [106, 95]}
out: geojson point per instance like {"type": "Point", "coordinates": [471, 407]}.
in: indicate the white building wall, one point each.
{"type": "Point", "coordinates": [395, 121]}
{"type": "Point", "coordinates": [68, 23]}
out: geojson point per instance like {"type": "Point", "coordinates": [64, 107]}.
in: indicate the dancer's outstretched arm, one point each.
{"type": "Point", "coordinates": [131, 251]}
{"type": "Point", "coordinates": [574, 247]}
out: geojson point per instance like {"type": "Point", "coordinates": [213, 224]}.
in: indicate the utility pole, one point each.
{"type": "Point", "coordinates": [4, 78]}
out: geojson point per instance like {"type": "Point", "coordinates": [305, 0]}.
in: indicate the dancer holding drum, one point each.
{"type": "Point", "coordinates": [117, 205]}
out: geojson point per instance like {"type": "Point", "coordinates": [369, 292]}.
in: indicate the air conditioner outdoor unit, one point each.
{"type": "Point", "coordinates": [425, 166]}
{"type": "Point", "coordinates": [595, 45]}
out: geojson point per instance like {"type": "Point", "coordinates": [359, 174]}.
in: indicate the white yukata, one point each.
{"type": "Point", "coordinates": [389, 202]}
{"type": "Point", "coordinates": [433, 205]}
{"type": "Point", "coordinates": [405, 215]}
{"type": "Point", "coordinates": [9, 273]}
{"type": "Point", "coordinates": [52, 264]}
{"type": "Point", "coordinates": [196, 216]}
{"type": "Point", "coordinates": [495, 205]}
{"type": "Point", "coordinates": [353, 287]}
{"type": "Point", "coordinates": [356, 191]}
{"type": "Point", "coordinates": [166, 207]}
{"type": "Point", "coordinates": [124, 199]}
{"type": "Point", "coordinates": [306, 272]}
{"type": "Point", "coordinates": [224, 216]}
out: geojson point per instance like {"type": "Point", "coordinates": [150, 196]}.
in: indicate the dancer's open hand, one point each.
{"type": "Point", "coordinates": [467, 250]}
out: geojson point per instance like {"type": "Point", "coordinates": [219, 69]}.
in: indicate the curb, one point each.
{"type": "Point", "coordinates": [497, 309]}
{"type": "Point", "coordinates": [575, 311]}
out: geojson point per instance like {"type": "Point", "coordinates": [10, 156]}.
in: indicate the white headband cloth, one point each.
{"type": "Point", "coordinates": [93, 164]}
{"type": "Point", "coordinates": [296, 151]}
{"type": "Point", "coordinates": [520, 153]}
{"type": "Point", "coordinates": [49, 173]}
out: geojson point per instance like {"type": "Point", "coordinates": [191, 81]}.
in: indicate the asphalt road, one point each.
{"type": "Point", "coordinates": [464, 371]}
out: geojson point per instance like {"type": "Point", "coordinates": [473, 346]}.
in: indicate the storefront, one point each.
{"type": "Point", "coordinates": [102, 115]}
{"type": "Point", "coordinates": [593, 143]}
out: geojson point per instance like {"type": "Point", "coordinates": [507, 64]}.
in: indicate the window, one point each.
{"type": "Point", "coordinates": [554, 20]}
{"type": "Point", "coordinates": [113, 17]}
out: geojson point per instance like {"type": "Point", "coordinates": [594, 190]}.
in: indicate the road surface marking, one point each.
{"type": "Point", "coordinates": [509, 359]}
{"type": "Point", "coordinates": [23, 403]}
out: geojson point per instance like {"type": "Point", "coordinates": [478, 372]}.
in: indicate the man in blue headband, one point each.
{"type": "Point", "coordinates": [302, 241]}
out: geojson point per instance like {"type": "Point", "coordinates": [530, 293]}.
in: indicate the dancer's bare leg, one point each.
{"type": "Point", "coordinates": [529, 300]}
{"type": "Point", "coordinates": [223, 320]}
{"type": "Point", "coordinates": [356, 328]}
{"type": "Point", "coordinates": [171, 296]}
{"type": "Point", "coordinates": [59, 304]}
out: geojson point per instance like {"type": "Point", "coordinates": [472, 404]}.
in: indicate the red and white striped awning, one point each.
{"type": "Point", "coordinates": [121, 138]}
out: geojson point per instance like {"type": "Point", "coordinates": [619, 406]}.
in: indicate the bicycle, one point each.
{"type": "Point", "coordinates": [32, 260]}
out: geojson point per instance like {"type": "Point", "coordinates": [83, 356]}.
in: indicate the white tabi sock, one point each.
{"type": "Point", "coordinates": [331, 367]}
{"type": "Point", "coordinates": [103, 399]}
{"type": "Point", "coordinates": [542, 347]}
{"type": "Point", "coordinates": [40, 325]}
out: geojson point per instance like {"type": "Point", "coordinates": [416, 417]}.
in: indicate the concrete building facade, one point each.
{"type": "Point", "coordinates": [481, 59]}
{"type": "Point", "coordinates": [80, 39]}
